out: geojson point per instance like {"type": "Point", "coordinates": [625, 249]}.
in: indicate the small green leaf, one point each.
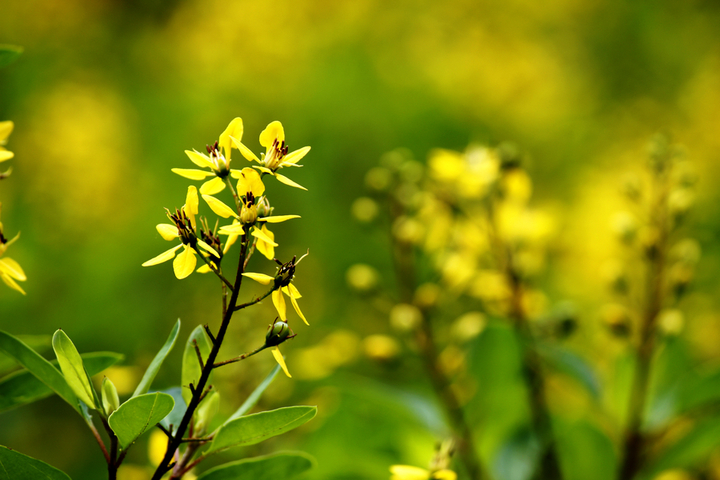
{"type": "Point", "coordinates": [255, 428]}
{"type": "Point", "coordinates": [16, 466]}
{"type": "Point", "coordinates": [284, 466]}
{"type": "Point", "coordinates": [138, 414]}
{"type": "Point", "coordinates": [206, 411]}
{"type": "Point", "coordinates": [72, 367]}
{"type": "Point", "coordinates": [22, 387]}
{"type": "Point", "coordinates": [176, 415]}
{"type": "Point", "coordinates": [110, 398]}
{"type": "Point", "coordinates": [38, 366]}
{"type": "Point", "coordinates": [190, 365]}
{"type": "Point", "coordinates": [8, 54]}
{"type": "Point", "coordinates": [157, 362]}
{"type": "Point", "coordinates": [254, 396]}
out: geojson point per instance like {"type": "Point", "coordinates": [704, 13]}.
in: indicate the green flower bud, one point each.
{"type": "Point", "coordinates": [110, 399]}
{"type": "Point", "coordinates": [277, 334]}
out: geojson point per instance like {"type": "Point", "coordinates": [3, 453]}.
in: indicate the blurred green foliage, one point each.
{"type": "Point", "coordinates": [108, 94]}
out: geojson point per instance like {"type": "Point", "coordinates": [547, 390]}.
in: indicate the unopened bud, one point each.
{"type": "Point", "coordinates": [378, 179]}
{"type": "Point", "coordinates": [671, 321]}
{"type": "Point", "coordinates": [364, 209]}
{"type": "Point", "coordinates": [249, 214]}
{"type": "Point", "coordinates": [362, 278]}
{"type": "Point", "coordinates": [277, 334]}
{"type": "Point", "coordinates": [110, 399]}
{"type": "Point", "coordinates": [405, 317]}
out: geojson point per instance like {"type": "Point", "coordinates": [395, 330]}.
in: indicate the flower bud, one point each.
{"type": "Point", "coordinates": [277, 334]}
{"type": "Point", "coordinates": [249, 214]}
{"type": "Point", "coordinates": [405, 317]}
{"type": "Point", "coordinates": [263, 207]}
{"type": "Point", "coordinates": [378, 179]}
{"type": "Point", "coordinates": [671, 321]}
{"type": "Point", "coordinates": [381, 347]}
{"type": "Point", "coordinates": [110, 399]}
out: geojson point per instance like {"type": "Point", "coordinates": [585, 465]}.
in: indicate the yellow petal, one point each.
{"type": "Point", "coordinates": [235, 130]}
{"type": "Point", "coordinates": [219, 207]}
{"type": "Point", "coordinates": [264, 169]}
{"type": "Point", "coordinates": [234, 229]}
{"type": "Point", "coordinates": [279, 302]}
{"type": "Point", "coordinates": [184, 263]}
{"type": "Point", "coordinates": [280, 360]}
{"type": "Point", "coordinates": [273, 131]}
{"type": "Point", "coordinates": [249, 181]}
{"type": "Point", "coordinates": [296, 156]}
{"type": "Point", "coordinates": [229, 243]}
{"type": "Point", "coordinates": [292, 291]}
{"type": "Point", "coordinates": [12, 268]}
{"type": "Point", "coordinates": [407, 472]}
{"type": "Point", "coordinates": [211, 187]}
{"type": "Point", "coordinates": [257, 233]}
{"type": "Point", "coordinates": [287, 181]}
{"type": "Point", "coordinates": [11, 283]}
{"type": "Point", "coordinates": [191, 173]}
{"type": "Point", "coordinates": [244, 151]}
{"type": "Point", "coordinates": [6, 155]}
{"type": "Point", "coordinates": [6, 129]}
{"type": "Point", "coordinates": [278, 218]}
{"type": "Point", "coordinates": [163, 257]}
{"type": "Point", "coordinates": [200, 159]}
{"type": "Point", "coordinates": [207, 248]}
{"type": "Point", "coordinates": [260, 277]}
{"type": "Point", "coordinates": [204, 269]}
{"type": "Point", "coordinates": [264, 247]}
{"type": "Point", "coordinates": [444, 475]}
{"type": "Point", "coordinates": [192, 203]}
{"type": "Point", "coordinates": [168, 232]}
{"type": "Point", "coordinates": [297, 309]}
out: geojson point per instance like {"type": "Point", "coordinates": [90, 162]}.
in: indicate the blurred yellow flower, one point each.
{"type": "Point", "coordinates": [6, 129]}
{"type": "Point", "coordinates": [218, 161]}
{"type": "Point", "coordinates": [407, 472]}
{"type": "Point", "coordinates": [185, 230]}
{"type": "Point", "coordinates": [10, 270]}
{"type": "Point", "coordinates": [276, 155]}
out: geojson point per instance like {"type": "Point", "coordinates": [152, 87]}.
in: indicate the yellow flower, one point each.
{"type": "Point", "coordinates": [185, 229]}
{"type": "Point", "coordinates": [276, 155]}
{"type": "Point", "coordinates": [407, 472]}
{"type": "Point", "coordinates": [6, 129]}
{"type": "Point", "coordinates": [10, 270]}
{"type": "Point", "coordinates": [285, 275]}
{"type": "Point", "coordinates": [265, 242]}
{"type": "Point", "coordinates": [217, 160]}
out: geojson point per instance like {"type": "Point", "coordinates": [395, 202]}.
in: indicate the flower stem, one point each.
{"type": "Point", "coordinates": [176, 441]}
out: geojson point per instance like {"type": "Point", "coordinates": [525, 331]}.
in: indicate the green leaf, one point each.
{"type": "Point", "coordinates": [157, 362]}
{"type": "Point", "coordinates": [518, 456]}
{"type": "Point", "coordinates": [690, 450]}
{"type": "Point", "coordinates": [257, 427]}
{"type": "Point", "coordinates": [138, 414]}
{"type": "Point", "coordinates": [16, 466]}
{"type": "Point", "coordinates": [72, 368]}
{"type": "Point", "coordinates": [277, 466]}
{"type": "Point", "coordinates": [586, 453]}
{"type": "Point", "coordinates": [176, 415]}
{"type": "Point", "coordinates": [574, 366]}
{"type": "Point", "coordinates": [254, 396]}
{"type": "Point", "coordinates": [8, 54]}
{"type": "Point", "coordinates": [36, 342]}
{"type": "Point", "coordinates": [38, 366]}
{"type": "Point", "coordinates": [190, 365]}
{"type": "Point", "coordinates": [22, 387]}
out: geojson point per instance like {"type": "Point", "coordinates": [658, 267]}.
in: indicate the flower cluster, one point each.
{"type": "Point", "coordinates": [249, 216]}
{"type": "Point", "coordinates": [10, 271]}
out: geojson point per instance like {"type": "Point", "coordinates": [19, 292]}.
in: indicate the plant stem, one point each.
{"type": "Point", "coordinates": [209, 363]}
{"type": "Point", "coordinates": [403, 259]}
{"type": "Point", "coordinates": [635, 440]}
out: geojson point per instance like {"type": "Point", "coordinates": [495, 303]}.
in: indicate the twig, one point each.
{"type": "Point", "coordinates": [199, 355]}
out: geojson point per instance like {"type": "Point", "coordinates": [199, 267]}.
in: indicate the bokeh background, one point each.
{"type": "Point", "coordinates": [108, 94]}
